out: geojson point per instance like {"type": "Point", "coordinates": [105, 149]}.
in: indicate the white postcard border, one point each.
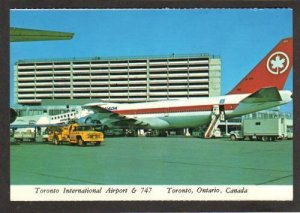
{"type": "Point", "coordinates": [150, 193]}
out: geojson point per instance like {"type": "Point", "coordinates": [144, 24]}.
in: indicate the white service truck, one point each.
{"type": "Point", "coordinates": [27, 135]}
{"type": "Point", "coordinates": [268, 129]}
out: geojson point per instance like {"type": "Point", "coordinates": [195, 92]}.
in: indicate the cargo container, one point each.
{"type": "Point", "coordinates": [264, 129]}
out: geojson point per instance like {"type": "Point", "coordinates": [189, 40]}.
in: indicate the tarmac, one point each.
{"type": "Point", "coordinates": [154, 161]}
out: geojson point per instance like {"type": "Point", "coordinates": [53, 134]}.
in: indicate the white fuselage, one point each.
{"type": "Point", "coordinates": [49, 119]}
{"type": "Point", "coordinates": [193, 112]}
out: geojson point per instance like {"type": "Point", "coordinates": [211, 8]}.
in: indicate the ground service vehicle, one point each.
{"type": "Point", "coordinates": [269, 129]}
{"type": "Point", "coordinates": [152, 133]}
{"type": "Point", "coordinates": [46, 133]}
{"type": "Point", "coordinates": [114, 132]}
{"type": "Point", "coordinates": [199, 133]}
{"type": "Point", "coordinates": [290, 133]}
{"type": "Point", "coordinates": [75, 134]}
{"type": "Point", "coordinates": [28, 135]}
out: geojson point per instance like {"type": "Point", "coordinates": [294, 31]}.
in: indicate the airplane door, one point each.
{"type": "Point", "coordinates": [222, 109]}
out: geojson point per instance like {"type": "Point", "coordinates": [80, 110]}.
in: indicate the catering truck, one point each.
{"type": "Point", "coordinates": [267, 129]}
{"type": "Point", "coordinates": [75, 134]}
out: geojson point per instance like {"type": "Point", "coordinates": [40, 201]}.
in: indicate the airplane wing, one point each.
{"type": "Point", "coordinates": [100, 110]}
{"type": "Point", "coordinates": [269, 94]}
{"type": "Point", "coordinates": [113, 118]}
{"type": "Point", "coordinates": [261, 99]}
{"type": "Point", "coordinates": [21, 34]}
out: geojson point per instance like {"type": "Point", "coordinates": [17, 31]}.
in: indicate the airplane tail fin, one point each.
{"type": "Point", "coordinates": [272, 71]}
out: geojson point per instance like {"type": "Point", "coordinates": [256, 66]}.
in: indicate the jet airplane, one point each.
{"type": "Point", "coordinates": [261, 89]}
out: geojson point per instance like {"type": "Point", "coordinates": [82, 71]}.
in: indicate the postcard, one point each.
{"type": "Point", "coordinates": [151, 104]}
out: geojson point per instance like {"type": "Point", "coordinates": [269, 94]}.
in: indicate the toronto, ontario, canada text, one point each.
{"type": "Point", "coordinates": [206, 190]}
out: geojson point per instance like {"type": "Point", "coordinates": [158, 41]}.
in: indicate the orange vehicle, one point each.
{"type": "Point", "coordinates": [75, 134]}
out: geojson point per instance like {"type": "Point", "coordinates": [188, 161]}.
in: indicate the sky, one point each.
{"type": "Point", "coordinates": [241, 37]}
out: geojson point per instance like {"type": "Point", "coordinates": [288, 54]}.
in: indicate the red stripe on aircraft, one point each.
{"type": "Point", "coordinates": [196, 108]}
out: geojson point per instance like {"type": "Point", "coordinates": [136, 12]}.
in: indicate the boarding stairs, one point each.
{"type": "Point", "coordinates": [217, 115]}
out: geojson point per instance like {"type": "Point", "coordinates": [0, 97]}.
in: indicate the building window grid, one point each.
{"type": "Point", "coordinates": [34, 80]}
{"type": "Point", "coordinates": [188, 78]}
{"type": "Point", "coordinates": [109, 95]}
{"type": "Point", "coordinates": [168, 80]}
{"type": "Point", "coordinates": [128, 74]}
{"type": "Point", "coordinates": [53, 80]}
{"type": "Point", "coordinates": [208, 77]}
{"type": "Point", "coordinates": [90, 80]}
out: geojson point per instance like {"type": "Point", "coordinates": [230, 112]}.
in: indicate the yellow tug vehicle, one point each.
{"type": "Point", "coordinates": [75, 134]}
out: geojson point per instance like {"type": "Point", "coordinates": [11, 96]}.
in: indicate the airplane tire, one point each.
{"type": "Point", "coordinates": [80, 142]}
{"type": "Point", "coordinates": [97, 143]}
{"type": "Point", "coordinates": [232, 137]}
{"type": "Point", "coordinates": [55, 141]}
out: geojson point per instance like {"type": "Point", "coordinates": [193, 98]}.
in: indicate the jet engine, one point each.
{"type": "Point", "coordinates": [88, 120]}
{"type": "Point", "coordinates": [13, 115]}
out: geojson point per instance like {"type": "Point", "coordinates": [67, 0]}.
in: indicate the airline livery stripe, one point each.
{"type": "Point", "coordinates": [172, 109]}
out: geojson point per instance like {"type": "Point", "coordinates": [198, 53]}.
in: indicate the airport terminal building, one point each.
{"type": "Point", "coordinates": [120, 80]}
